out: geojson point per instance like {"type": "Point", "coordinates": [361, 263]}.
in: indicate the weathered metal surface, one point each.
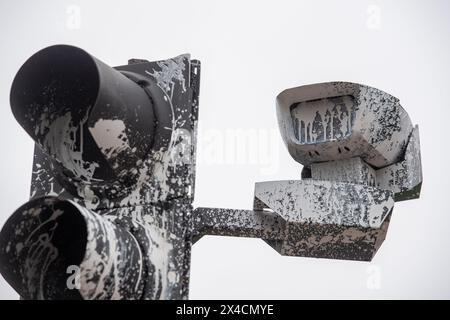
{"type": "Point", "coordinates": [310, 218]}
{"type": "Point", "coordinates": [328, 219]}
{"type": "Point", "coordinates": [123, 162]}
{"type": "Point", "coordinates": [405, 177]}
{"type": "Point", "coordinates": [326, 202]}
{"type": "Point", "coordinates": [317, 219]}
{"type": "Point", "coordinates": [114, 175]}
{"type": "Point", "coordinates": [340, 120]}
{"type": "Point", "coordinates": [353, 170]}
{"type": "Point", "coordinates": [331, 241]}
{"type": "Point", "coordinates": [341, 133]}
{"type": "Point", "coordinates": [238, 223]}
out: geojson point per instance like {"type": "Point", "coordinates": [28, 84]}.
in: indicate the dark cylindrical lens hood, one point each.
{"type": "Point", "coordinates": [54, 249]}
{"type": "Point", "coordinates": [88, 116]}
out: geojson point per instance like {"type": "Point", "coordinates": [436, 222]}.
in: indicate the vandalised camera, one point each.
{"type": "Point", "coordinates": [110, 214]}
{"type": "Point", "coordinates": [360, 154]}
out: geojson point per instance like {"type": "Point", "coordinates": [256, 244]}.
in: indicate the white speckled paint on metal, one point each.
{"type": "Point", "coordinates": [360, 154]}
{"type": "Point", "coordinates": [114, 175]}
